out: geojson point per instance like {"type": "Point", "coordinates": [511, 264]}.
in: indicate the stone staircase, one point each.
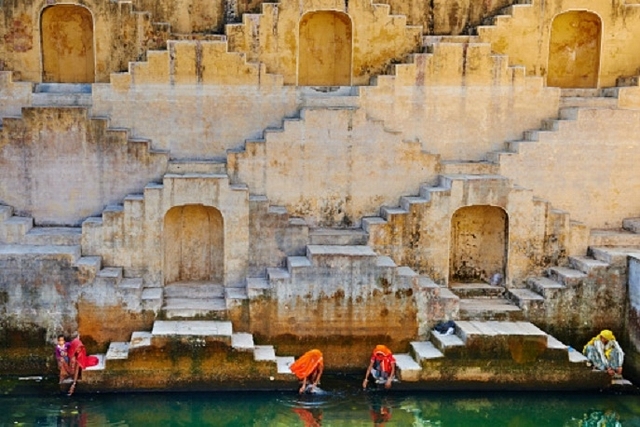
{"type": "Point", "coordinates": [481, 301]}
{"type": "Point", "coordinates": [481, 353]}
{"type": "Point", "coordinates": [136, 352]}
{"type": "Point", "coordinates": [18, 236]}
{"type": "Point", "coordinates": [626, 236]}
{"type": "Point", "coordinates": [122, 226]}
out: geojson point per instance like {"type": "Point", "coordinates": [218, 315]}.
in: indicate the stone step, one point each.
{"type": "Point", "coordinates": [530, 302]}
{"type": "Point", "coordinates": [131, 285]}
{"type": "Point", "coordinates": [545, 286]}
{"type": "Point", "coordinates": [481, 167]}
{"type": "Point", "coordinates": [117, 351]}
{"type": "Point", "coordinates": [110, 276]}
{"type": "Point", "coordinates": [63, 88]}
{"type": "Point", "coordinates": [193, 307]}
{"type": "Point", "coordinates": [242, 341]}
{"type": "Point", "coordinates": [424, 350]}
{"type": "Point", "coordinates": [68, 254]}
{"type": "Point", "coordinates": [495, 339]}
{"type": "Point", "coordinates": [152, 299]}
{"type": "Point", "coordinates": [13, 230]}
{"type": "Point", "coordinates": [408, 369]}
{"type": "Point", "coordinates": [587, 265]}
{"type": "Point", "coordinates": [489, 309]}
{"type": "Point", "coordinates": [6, 212]}
{"type": "Point", "coordinates": [615, 256]}
{"type": "Point", "coordinates": [259, 286]}
{"type": "Point", "coordinates": [54, 236]}
{"type": "Point", "coordinates": [449, 345]}
{"type": "Point", "coordinates": [569, 277]}
{"type": "Point", "coordinates": [588, 102]}
{"type": "Point", "coordinates": [194, 290]}
{"type": "Point", "coordinates": [284, 364]}
{"type": "Point", "coordinates": [197, 166]}
{"type": "Point", "coordinates": [264, 353]}
{"type": "Point", "coordinates": [61, 100]}
{"type": "Point", "coordinates": [337, 236]}
{"type": "Point", "coordinates": [89, 266]}
{"type": "Point", "coordinates": [477, 290]}
{"type": "Point", "coordinates": [231, 294]}
{"type": "Point", "coordinates": [320, 254]}
{"type": "Point", "coordinates": [140, 339]}
{"type": "Point", "coordinates": [631, 224]}
{"type": "Point", "coordinates": [329, 97]}
{"type": "Point", "coordinates": [192, 328]}
{"type": "Point", "coordinates": [620, 238]}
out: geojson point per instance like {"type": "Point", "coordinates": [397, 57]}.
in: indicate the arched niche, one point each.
{"type": "Point", "coordinates": [324, 55]}
{"type": "Point", "coordinates": [574, 50]}
{"type": "Point", "coordinates": [193, 244]}
{"type": "Point", "coordinates": [67, 44]}
{"type": "Point", "coordinates": [479, 242]}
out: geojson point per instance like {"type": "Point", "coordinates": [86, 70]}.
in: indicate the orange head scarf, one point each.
{"type": "Point", "coordinates": [383, 355]}
{"type": "Point", "coordinates": [307, 363]}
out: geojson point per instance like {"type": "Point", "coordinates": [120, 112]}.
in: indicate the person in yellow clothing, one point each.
{"type": "Point", "coordinates": [308, 368]}
{"type": "Point", "coordinates": [604, 353]}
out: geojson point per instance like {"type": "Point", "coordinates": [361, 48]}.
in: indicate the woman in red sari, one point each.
{"type": "Point", "coordinates": [79, 360]}
{"type": "Point", "coordinates": [382, 367]}
{"type": "Point", "coordinates": [308, 368]}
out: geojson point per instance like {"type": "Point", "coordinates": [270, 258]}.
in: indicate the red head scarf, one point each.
{"type": "Point", "coordinates": [307, 363]}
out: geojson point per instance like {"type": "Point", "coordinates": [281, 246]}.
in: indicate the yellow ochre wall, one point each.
{"type": "Point", "coordinates": [272, 37]}
{"type": "Point", "coordinates": [526, 37]}
{"type": "Point", "coordinates": [118, 37]}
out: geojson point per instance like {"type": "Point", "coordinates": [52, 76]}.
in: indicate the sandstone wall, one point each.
{"type": "Point", "coordinates": [446, 16]}
{"type": "Point", "coordinates": [273, 37]}
{"type": "Point", "coordinates": [527, 36]}
{"type": "Point", "coordinates": [38, 290]}
{"type": "Point", "coordinates": [59, 166]}
{"type": "Point", "coordinates": [118, 36]}
{"type": "Point", "coordinates": [187, 16]}
{"type": "Point", "coordinates": [134, 237]}
{"type": "Point", "coordinates": [586, 168]}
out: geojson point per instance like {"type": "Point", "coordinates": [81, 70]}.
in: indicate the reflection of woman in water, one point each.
{"type": "Point", "coordinates": [310, 417]}
{"type": "Point", "coordinates": [380, 411]}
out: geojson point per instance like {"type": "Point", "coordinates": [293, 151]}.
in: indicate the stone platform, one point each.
{"type": "Point", "coordinates": [209, 355]}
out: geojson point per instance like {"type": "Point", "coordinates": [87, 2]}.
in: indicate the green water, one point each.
{"type": "Point", "coordinates": [347, 406]}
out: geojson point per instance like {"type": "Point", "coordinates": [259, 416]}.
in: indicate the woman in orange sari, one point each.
{"type": "Point", "coordinates": [309, 368]}
{"type": "Point", "coordinates": [382, 366]}
{"type": "Point", "coordinates": [79, 360]}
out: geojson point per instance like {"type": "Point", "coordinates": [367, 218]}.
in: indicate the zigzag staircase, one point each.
{"type": "Point", "coordinates": [322, 243]}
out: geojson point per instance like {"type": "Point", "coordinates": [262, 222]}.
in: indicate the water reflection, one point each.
{"type": "Point", "coordinates": [599, 418]}
{"type": "Point", "coordinates": [352, 407]}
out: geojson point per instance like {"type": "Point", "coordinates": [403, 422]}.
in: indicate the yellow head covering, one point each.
{"type": "Point", "coordinates": [607, 335]}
